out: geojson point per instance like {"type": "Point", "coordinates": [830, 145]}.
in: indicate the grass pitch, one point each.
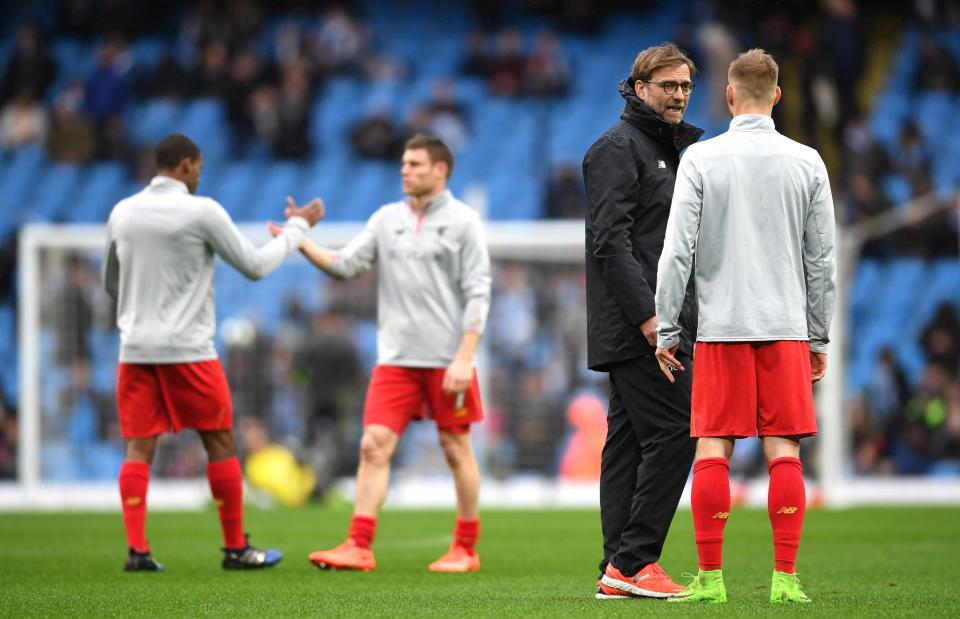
{"type": "Point", "coordinates": [862, 562]}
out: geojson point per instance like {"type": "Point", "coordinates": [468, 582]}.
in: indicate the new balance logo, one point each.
{"type": "Point", "coordinates": [661, 164]}
{"type": "Point", "coordinates": [787, 510]}
{"type": "Point", "coordinates": [721, 515]}
{"type": "Point", "coordinates": [134, 501]}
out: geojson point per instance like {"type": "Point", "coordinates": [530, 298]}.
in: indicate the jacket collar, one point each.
{"type": "Point", "coordinates": [167, 182]}
{"type": "Point", "coordinates": [639, 114]}
{"type": "Point", "coordinates": [752, 122]}
{"type": "Point", "coordinates": [435, 203]}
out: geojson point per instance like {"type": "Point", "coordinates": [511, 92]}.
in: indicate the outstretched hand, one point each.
{"type": "Point", "coordinates": [275, 230]}
{"type": "Point", "coordinates": [312, 212]}
{"type": "Point", "coordinates": [668, 362]}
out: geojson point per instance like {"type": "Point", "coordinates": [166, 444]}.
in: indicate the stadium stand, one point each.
{"type": "Point", "coordinates": [130, 91]}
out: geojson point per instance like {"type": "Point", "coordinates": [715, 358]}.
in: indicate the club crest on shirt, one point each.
{"type": "Point", "coordinates": [661, 164]}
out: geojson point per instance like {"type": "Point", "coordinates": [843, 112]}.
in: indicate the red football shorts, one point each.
{"type": "Point", "coordinates": [752, 388]}
{"type": "Point", "coordinates": [153, 398]}
{"type": "Point", "coordinates": [398, 395]}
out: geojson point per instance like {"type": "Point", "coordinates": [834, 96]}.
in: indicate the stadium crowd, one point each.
{"type": "Point", "coordinates": [268, 62]}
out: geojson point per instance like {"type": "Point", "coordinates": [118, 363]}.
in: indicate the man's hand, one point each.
{"type": "Point", "coordinates": [668, 362]}
{"type": "Point", "coordinates": [275, 230]}
{"type": "Point", "coordinates": [649, 330]}
{"type": "Point", "coordinates": [818, 363]}
{"type": "Point", "coordinates": [312, 212]}
{"type": "Point", "coordinates": [458, 377]}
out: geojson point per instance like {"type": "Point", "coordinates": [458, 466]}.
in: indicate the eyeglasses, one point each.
{"type": "Point", "coordinates": [671, 87]}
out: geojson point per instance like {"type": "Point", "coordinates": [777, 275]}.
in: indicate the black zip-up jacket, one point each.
{"type": "Point", "coordinates": [629, 175]}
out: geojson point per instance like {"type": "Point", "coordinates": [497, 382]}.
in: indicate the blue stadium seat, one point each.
{"type": "Point", "coordinates": [897, 189]}
{"type": "Point", "coordinates": [150, 122]}
{"type": "Point", "coordinates": [204, 121]}
{"type": "Point", "coordinates": [279, 181]}
{"type": "Point", "coordinates": [102, 186]}
{"type": "Point", "coordinates": [52, 196]}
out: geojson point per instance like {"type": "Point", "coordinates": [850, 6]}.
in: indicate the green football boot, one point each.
{"type": "Point", "coordinates": [785, 588]}
{"type": "Point", "coordinates": [707, 586]}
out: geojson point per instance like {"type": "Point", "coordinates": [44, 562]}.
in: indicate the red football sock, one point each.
{"type": "Point", "coordinates": [786, 504]}
{"type": "Point", "coordinates": [134, 479]}
{"type": "Point", "coordinates": [710, 498]}
{"type": "Point", "coordinates": [362, 530]}
{"type": "Point", "coordinates": [466, 533]}
{"type": "Point", "coordinates": [226, 485]}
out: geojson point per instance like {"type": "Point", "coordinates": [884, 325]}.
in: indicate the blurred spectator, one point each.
{"type": "Point", "coordinates": [292, 139]}
{"type": "Point", "coordinates": [77, 18]}
{"type": "Point", "coordinates": [71, 312]}
{"type": "Point", "coordinates": [565, 194]}
{"type": "Point", "coordinates": [513, 318]}
{"type": "Point", "coordinates": [203, 22]}
{"type": "Point", "coordinates": [720, 48]}
{"type": "Point", "coordinates": [246, 72]}
{"type": "Point", "coordinates": [580, 461]}
{"type": "Point", "coordinates": [477, 60]}
{"type": "Point", "coordinates": [71, 135]}
{"type": "Point", "coordinates": [264, 115]}
{"type": "Point", "coordinates": [843, 38]}
{"type": "Point", "coordinates": [861, 151]}
{"type": "Point", "coordinates": [864, 200]}
{"type": "Point", "coordinates": [169, 79]}
{"type": "Point", "coordinates": [376, 137]}
{"type": "Point", "coordinates": [340, 42]}
{"type": "Point", "coordinates": [288, 45]}
{"type": "Point", "coordinates": [936, 68]}
{"type": "Point", "coordinates": [326, 366]}
{"type": "Point", "coordinates": [113, 144]}
{"type": "Point", "coordinates": [547, 73]}
{"type": "Point", "coordinates": [937, 13]}
{"type": "Point", "coordinates": [910, 156]}
{"type": "Point", "coordinates": [914, 435]}
{"type": "Point", "coordinates": [448, 117]}
{"type": "Point", "coordinates": [108, 89]}
{"type": "Point", "coordinates": [211, 77]}
{"type": "Point", "coordinates": [887, 391]}
{"type": "Point", "coordinates": [509, 62]}
{"type": "Point", "coordinates": [418, 121]}
{"type": "Point", "coordinates": [940, 339]}
{"type": "Point", "coordinates": [23, 121]}
{"type": "Point", "coordinates": [534, 426]}
{"type": "Point", "coordinates": [273, 468]}
{"type": "Point", "coordinates": [29, 68]}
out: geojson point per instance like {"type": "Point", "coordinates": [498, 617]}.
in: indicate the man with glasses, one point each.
{"type": "Point", "coordinates": [629, 175]}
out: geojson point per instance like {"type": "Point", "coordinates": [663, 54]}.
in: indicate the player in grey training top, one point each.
{"type": "Point", "coordinates": [752, 219]}
{"type": "Point", "coordinates": [433, 299]}
{"type": "Point", "coordinates": [159, 269]}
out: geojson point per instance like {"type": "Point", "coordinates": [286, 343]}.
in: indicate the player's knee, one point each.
{"type": "Point", "coordinates": [456, 448]}
{"type": "Point", "coordinates": [374, 449]}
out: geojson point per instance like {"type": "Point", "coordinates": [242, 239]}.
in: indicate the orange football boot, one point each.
{"type": "Point", "coordinates": [457, 559]}
{"type": "Point", "coordinates": [651, 581]}
{"type": "Point", "coordinates": [346, 556]}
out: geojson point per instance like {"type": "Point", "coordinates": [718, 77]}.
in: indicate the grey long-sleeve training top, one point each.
{"type": "Point", "coordinates": [755, 209]}
{"type": "Point", "coordinates": [433, 281]}
{"type": "Point", "coordinates": [159, 268]}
